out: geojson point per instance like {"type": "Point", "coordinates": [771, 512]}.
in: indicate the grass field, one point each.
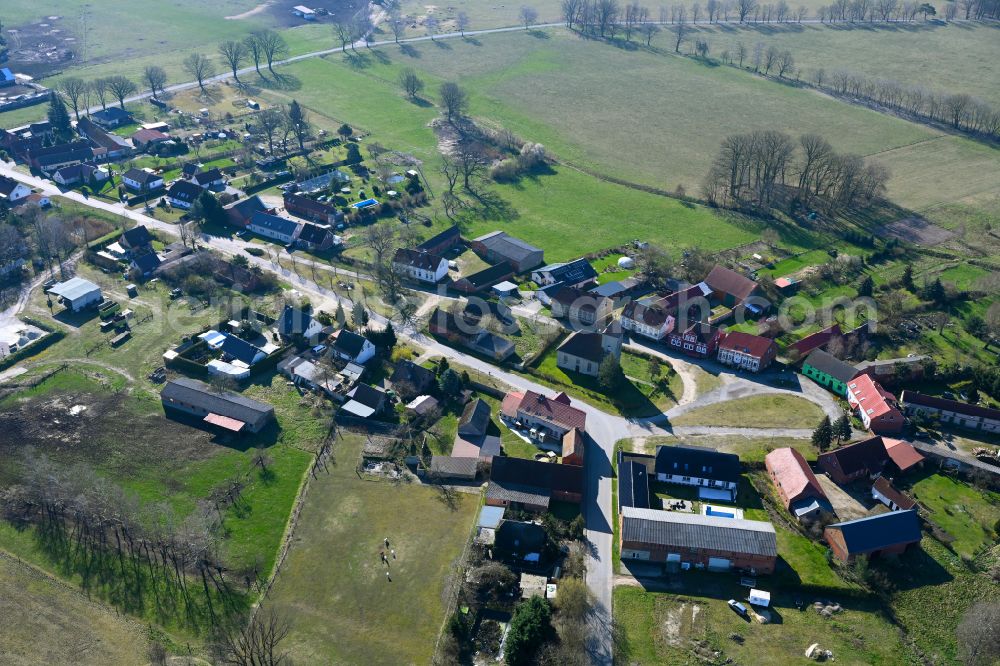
{"type": "Point", "coordinates": [963, 63]}
{"type": "Point", "coordinates": [749, 449]}
{"type": "Point", "coordinates": [48, 622]}
{"type": "Point", "coordinates": [668, 628]}
{"type": "Point", "coordinates": [333, 587]}
{"type": "Point", "coordinates": [759, 411]}
{"type": "Point", "coordinates": [967, 514]}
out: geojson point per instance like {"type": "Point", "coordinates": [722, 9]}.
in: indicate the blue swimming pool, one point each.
{"type": "Point", "coordinates": [721, 514]}
{"type": "Point", "coordinates": [367, 203]}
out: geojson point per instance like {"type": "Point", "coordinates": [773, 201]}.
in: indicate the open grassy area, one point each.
{"type": "Point", "coordinates": [967, 514]}
{"type": "Point", "coordinates": [749, 449]}
{"type": "Point", "coordinates": [673, 628]}
{"type": "Point", "coordinates": [759, 411]}
{"type": "Point", "coordinates": [333, 587]}
{"type": "Point", "coordinates": [964, 52]}
{"type": "Point", "coordinates": [48, 622]}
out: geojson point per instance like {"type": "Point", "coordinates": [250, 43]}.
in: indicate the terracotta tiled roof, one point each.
{"type": "Point", "coordinates": [902, 453]}
{"type": "Point", "coordinates": [554, 410]}
{"type": "Point", "coordinates": [721, 279]}
{"type": "Point", "coordinates": [870, 395]}
{"type": "Point", "coordinates": [793, 474]}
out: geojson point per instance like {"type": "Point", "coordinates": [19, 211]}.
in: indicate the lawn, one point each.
{"type": "Point", "coordinates": [333, 588]}
{"type": "Point", "coordinates": [669, 628]}
{"type": "Point", "coordinates": [749, 449]}
{"type": "Point", "coordinates": [639, 397]}
{"type": "Point", "coordinates": [48, 622]}
{"type": "Point", "coordinates": [759, 411]}
{"type": "Point", "coordinates": [964, 512]}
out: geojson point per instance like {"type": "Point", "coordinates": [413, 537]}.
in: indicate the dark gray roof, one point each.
{"type": "Point", "coordinates": [688, 530]}
{"type": "Point", "coordinates": [508, 491]}
{"type": "Point", "coordinates": [111, 114]}
{"type": "Point", "coordinates": [449, 236]}
{"type": "Point", "coordinates": [313, 233]}
{"type": "Point", "coordinates": [245, 208]}
{"type": "Point", "coordinates": [368, 396]}
{"type": "Point", "coordinates": [208, 177]}
{"type": "Point", "coordinates": [633, 485]}
{"type": "Point", "coordinates": [584, 344]}
{"type": "Point", "coordinates": [141, 176]}
{"type": "Point", "coordinates": [274, 223]}
{"type": "Point", "coordinates": [508, 246]}
{"type": "Point", "coordinates": [517, 536]}
{"type": "Point", "coordinates": [921, 400]}
{"type": "Point", "coordinates": [138, 236]}
{"type": "Point", "coordinates": [185, 191]}
{"type": "Point", "coordinates": [453, 466]}
{"type": "Point", "coordinates": [829, 364]}
{"type": "Point", "coordinates": [293, 321]}
{"type": "Point", "coordinates": [697, 461]}
{"type": "Point", "coordinates": [411, 373]}
{"type": "Point", "coordinates": [240, 349]}
{"type": "Point", "coordinates": [865, 535]}
{"type": "Point", "coordinates": [490, 276]}
{"type": "Point", "coordinates": [418, 259]}
{"type": "Point", "coordinates": [225, 403]}
{"type": "Point", "coordinates": [349, 343]}
{"type": "Point", "coordinates": [475, 419]}
{"type": "Point", "coordinates": [572, 272]}
{"type": "Point", "coordinates": [146, 263]}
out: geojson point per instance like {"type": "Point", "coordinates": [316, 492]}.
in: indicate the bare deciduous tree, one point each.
{"type": "Point", "coordinates": [200, 67]}
{"type": "Point", "coordinates": [255, 644]}
{"type": "Point", "coordinates": [234, 53]}
{"type": "Point", "coordinates": [410, 83]}
{"type": "Point", "coordinates": [155, 78]}
{"type": "Point", "coordinates": [528, 16]}
{"type": "Point", "coordinates": [73, 89]}
{"type": "Point", "coordinates": [121, 87]}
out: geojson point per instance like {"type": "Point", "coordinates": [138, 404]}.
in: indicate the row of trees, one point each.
{"type": "Point", "coordinates": [858, 11]}
{"type": "Point", "coordinates": [147, 550]}
{"type": "Point", "coordinates": [959, 110]}
{"type": "Point", "coordinates": [752, 169]}
{"type": "Point", "coordinates": [261, 47]}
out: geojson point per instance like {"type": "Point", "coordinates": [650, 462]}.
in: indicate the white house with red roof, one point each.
{"type": "Point", "coordinates": [555, 416]}
{"type": "Point", "coordinates": [747, 351]}
{"type": "Point", "coordinates": [877, 408]}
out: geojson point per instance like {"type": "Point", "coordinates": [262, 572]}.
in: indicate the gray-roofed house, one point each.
{"type": "Point", "coordinates": [144, 263]}
{"type": "Point", "coordinates": [183, 194]}
{"type": "Point", "coordinates": [138, 237]}
{"type": "Point", "coordinates": [364, 401]}
{"type": "Point", "coordinates": [583, 351]}
{"type": "Point", "coordinates": [317, 237]}
{"type": "Point", "coordinates": [451, 467]}
{"type": "Point", "coordinates": [882, 534]}
{"type": "Point", "coordinates": [296, 323]}
{"type": "Point", "coordinates": [141, 181]}
{"type": "Point", "coordinates": [475, 420]}
{"type": "Point", "coordinates": [576, 273]}
{"type": "Point", "coordinates": [829, 371]}
{"type": "Point", "coordinates": [446, 240]}
{"type": "Point", "coordinates": [715, 474]}
{"type": "Point", "coordinates": [237, 349]}
{"type": "Point", "coordinates": [224, 409]}
{"type": "Point", "coordinates": [77, 294]}
{"type": "Point", "coordinates": [211, 179]}
{"type": "Point", "coordinates": [522, 541]}
{"type": "Point", "coordinates": [484, 279]}
{"type": "Point", "coordinates": [686, 540]}
{"type": "Point", "coordinates": [499, 246]}
{"type": "Point", "coordinates": [531, 485]}
{"type": "Point", "coordinates": [409, 379]}
{"type": "Point", "coordinates": [111, 117]}
{"type": "Point", "coordinates": [239, 213]}
{"type": "Point", "coordinates": [420, 265]}
{"type": "Point", "coordinates": [276, 228]}
{"type": "Point", "coordinates": [349, 346]}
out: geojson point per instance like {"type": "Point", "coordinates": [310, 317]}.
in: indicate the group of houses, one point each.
{"type": "Point", "coordinates": [79, 160]}
{"type": "Point", "coordinates": [315, 233]}
{"type": "Point", "coordinates": [719, 538]}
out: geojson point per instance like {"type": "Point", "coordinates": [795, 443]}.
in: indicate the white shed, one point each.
{"type": "Point", "coordinates": [760, 598]}
{"type": "Point", "coordinates": [77, 293]}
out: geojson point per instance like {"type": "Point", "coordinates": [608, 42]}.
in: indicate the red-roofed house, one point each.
{"type": "Point", "coordinates": [747, 351]}
{"type": "Point", "coordinates": [887, 494]}
{"type": "Point", "coordinates": [902, 454]}
{"type": "Point", "coordinates": [555, 416]}
{"type": "Point", "coordinates": [817, 340]}
{"type": "Point", "coordinates": [729, 287]}
{"type": "Point", "coordinates": [877, 408]}
{"type": "Point", "coordinates": [796, 483]}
